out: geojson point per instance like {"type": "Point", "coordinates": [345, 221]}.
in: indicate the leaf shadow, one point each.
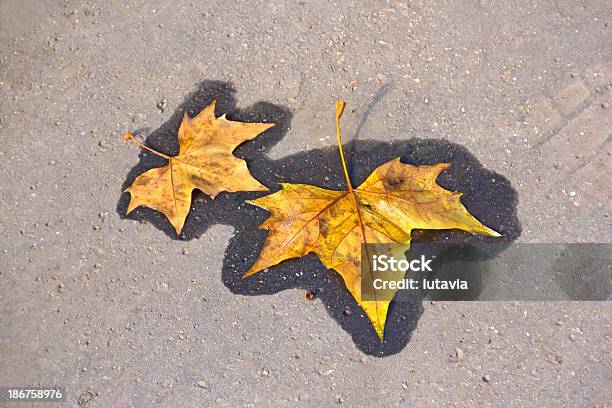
{"type": "Point", "coordinates": [487, 195]}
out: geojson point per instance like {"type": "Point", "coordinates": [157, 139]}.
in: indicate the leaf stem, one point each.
{"type": "Point", "coordinates": [340, 105]}
{"type": "Point", "coordinates": [130, 136]}
{"type": "Point", "coordinates": [339, 111]}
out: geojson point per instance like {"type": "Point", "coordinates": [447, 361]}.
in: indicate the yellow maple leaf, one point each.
{"type": "Point", "coordinates": [205, 162]}
{"type": "Point", "coordinates": [395, 199]}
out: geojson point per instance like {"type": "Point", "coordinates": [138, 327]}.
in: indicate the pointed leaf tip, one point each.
{"type": "Point", "coordinates": [493, 233]}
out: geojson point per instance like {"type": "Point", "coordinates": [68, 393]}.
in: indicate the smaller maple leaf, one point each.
{"type": "Point", "coordinates": [394, 200]}
{"type": "Point", "coordinates": [205, 162]}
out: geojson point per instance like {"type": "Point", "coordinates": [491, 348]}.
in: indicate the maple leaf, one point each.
{"type": "Point", "coordinates": [395, 199]}
{"type": "Point", "coordinates": [205, 162]}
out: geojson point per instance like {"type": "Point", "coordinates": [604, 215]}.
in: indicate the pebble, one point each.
{"type": "Point", "coordinates": [558, 359]}
{"type": "Point", "coordinates": [458, 355]}
{"type": "Point", "coordinates": [161, 105]}
{"type": "Point", "coordinates": [605, 105]}
{"type": "Point", "coordinates": [486, 378]}
{"type": "Point", "coordinates": [201, 384]}
{"type": "Point", "coordinates": [138, 117]}
{"type": "Point", "coordinates": [85, 398]}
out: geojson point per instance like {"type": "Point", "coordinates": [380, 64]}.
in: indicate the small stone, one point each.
{"type": "Point", "coordinates": [458, 355]}
{"type": "Point", "coordinates": [84, 369]}
{"type": "Point", "coordinates": [558, 359]}
{"type": "Point", "coordinates": [265, 373]}
{"type": "Point", "coordinates": [605, 105]}
{"type": "Point", "coordinates": [85, 398]}
{"type": "Point", "coordinates": [201, 384]}
{"type": "Point", "coordinates": [52, 162]}
{"type": "Point", "coordinates": [486, 378]}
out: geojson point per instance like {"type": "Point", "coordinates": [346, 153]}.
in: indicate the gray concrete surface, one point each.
{"type": "Point", "coordinates": [123, 315]}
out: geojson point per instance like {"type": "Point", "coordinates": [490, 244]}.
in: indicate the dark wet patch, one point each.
{"type": "Point", "coordinates": [487, 195]}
